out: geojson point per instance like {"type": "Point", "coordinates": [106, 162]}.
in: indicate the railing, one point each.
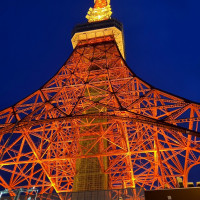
{"type": "Point", "coordinates": [118, 194]}
{"type": "Point", "coordinates": [97, 25]}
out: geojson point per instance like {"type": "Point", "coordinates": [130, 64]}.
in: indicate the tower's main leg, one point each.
{"type": "Point", "coordinates": [90, 171]}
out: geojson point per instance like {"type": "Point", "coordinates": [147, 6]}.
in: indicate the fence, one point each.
{"type": "Point", "coordinates": [118, 194]}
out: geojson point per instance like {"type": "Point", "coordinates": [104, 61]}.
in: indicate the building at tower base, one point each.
{"type": "Point", "coordinates": [174, 194]}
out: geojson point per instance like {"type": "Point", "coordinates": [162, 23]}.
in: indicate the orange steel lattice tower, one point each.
{"type": "Point", "coordinates": [96, 125]}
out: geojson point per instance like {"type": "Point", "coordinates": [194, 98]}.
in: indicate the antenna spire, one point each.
{"type": "Point", "coordinates": [101, 11]}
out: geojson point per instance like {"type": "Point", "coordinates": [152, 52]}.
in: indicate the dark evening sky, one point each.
{"type": "Point", "coordinates": [162, 43]}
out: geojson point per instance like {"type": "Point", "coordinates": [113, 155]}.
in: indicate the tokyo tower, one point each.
{"type": "Point", "coordinates": [96, 125]}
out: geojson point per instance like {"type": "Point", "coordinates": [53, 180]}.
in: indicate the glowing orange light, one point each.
{"type": "Point", "coordinates": [100, 4]}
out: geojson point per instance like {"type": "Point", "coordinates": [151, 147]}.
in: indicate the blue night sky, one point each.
{"type": "Point", "coordinates": [162, 44]}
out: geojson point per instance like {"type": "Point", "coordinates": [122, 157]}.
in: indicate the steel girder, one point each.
{"type": "Point", "coordinates": [151, 136]}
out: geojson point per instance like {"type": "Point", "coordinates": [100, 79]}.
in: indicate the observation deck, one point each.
{"type": "Point", "coordinates": [110, 27]}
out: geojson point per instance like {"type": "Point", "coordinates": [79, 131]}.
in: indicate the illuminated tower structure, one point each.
{"type": "Point", "coordinates": [96, 125]}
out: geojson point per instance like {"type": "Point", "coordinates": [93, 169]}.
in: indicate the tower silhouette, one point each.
{"type": "Point", "coordinates": [96, 125]}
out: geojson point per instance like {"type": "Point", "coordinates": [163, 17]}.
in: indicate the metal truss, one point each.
{"type": "Point", "coordinates": [148, 137]}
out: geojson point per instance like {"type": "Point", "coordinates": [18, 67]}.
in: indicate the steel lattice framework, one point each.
{"type": "Point", "coordinates": [148, 137]}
